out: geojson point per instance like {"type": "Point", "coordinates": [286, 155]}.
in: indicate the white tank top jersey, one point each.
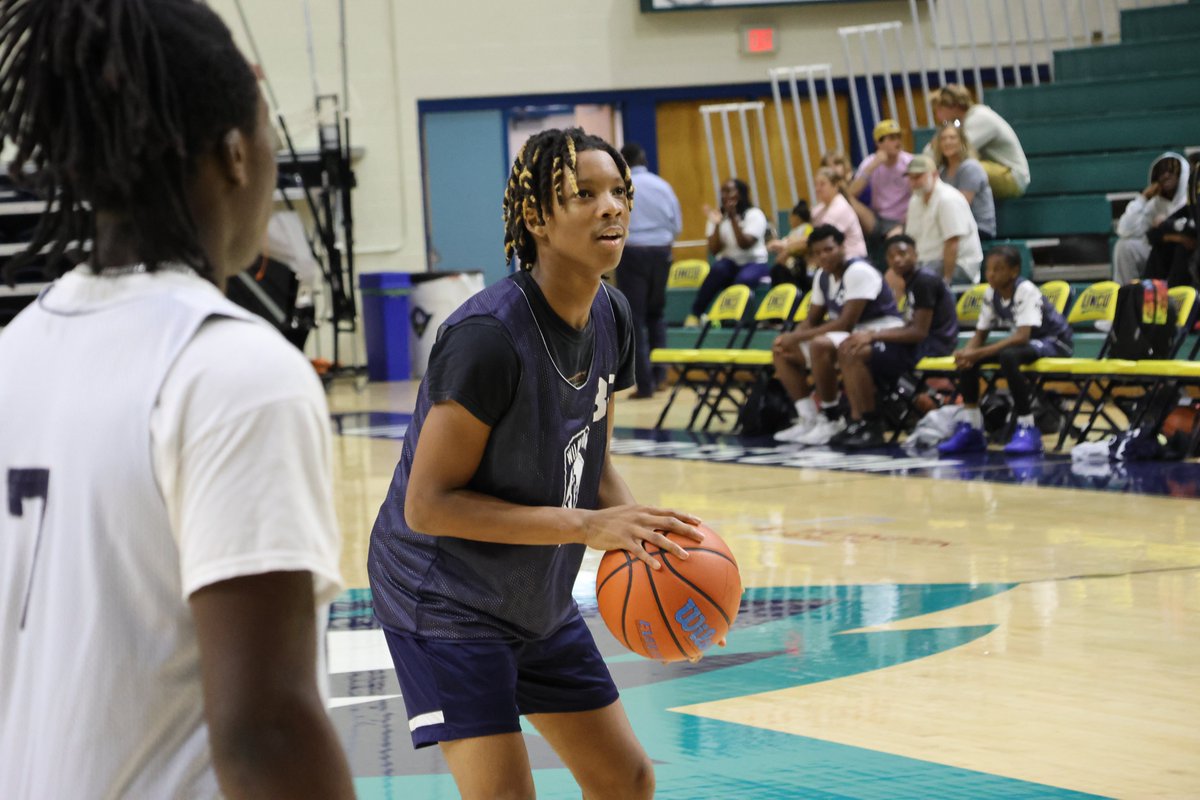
{"type": "Point", "coordinates": [154, 439]}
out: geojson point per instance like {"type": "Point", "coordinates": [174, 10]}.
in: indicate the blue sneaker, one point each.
{"type": "Point", "coordinates": [965, 439]}
{"type": "Point", "coordinates": [1026, 440]}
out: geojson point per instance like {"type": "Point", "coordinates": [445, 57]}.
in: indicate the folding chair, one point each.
{"type": "Point", "coordinates": [724, 365]}
{"type": "Point", "coordinates": [1058, 293]}
{"type": "Point", "coordinates": [687, 273]}
{"type": "Point", "coordinates": [1152, 376]}
{"type": "Point", "coordinates": [759, 365]}
{"type": "Point", "coordinates": [728, 308]}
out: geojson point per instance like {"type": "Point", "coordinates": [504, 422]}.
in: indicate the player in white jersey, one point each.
{"type": "Point", "coordinates": [167, 539]}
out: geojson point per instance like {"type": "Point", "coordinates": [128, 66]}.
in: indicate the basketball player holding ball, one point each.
{"type": "Point", "coordinates": [504, 478]}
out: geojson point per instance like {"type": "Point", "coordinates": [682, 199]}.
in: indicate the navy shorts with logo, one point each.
{"type": "Point", "coordinates": [890, 360]}
{"type": "Point", "coordinates": [459, 689]}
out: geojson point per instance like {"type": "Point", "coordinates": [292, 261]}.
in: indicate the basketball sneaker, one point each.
{"type": "Point", "coordinates": [822, 431]}
{"type": "Point", "coordinates": [866, 436]}
{"type": "Point", "coordinates": [793, 433]}
{"type": "Point", "coordinates": [1026, 440]}
{"type": "Point", "coordinates": [965, 439]}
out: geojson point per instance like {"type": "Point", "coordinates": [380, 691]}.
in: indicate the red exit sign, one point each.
{"type": "Point", "coordinates": [759, 39]}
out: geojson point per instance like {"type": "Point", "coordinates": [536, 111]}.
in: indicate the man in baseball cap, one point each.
{"type": "Point", "coordinates": [941, 223]}
{"type": "Point", "coordinates": [883, 172]}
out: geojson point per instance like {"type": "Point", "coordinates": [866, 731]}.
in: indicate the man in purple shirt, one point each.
{"type": "Point", "coordinates": [883, 172]}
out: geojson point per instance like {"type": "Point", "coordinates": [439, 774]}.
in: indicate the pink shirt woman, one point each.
{"type": "Point", "coordinates": [833, 209]}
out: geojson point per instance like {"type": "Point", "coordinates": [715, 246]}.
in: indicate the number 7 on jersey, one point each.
{"type": "Point", "coordinates": [28, 484]}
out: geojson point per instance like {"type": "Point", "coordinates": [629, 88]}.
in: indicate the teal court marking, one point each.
{"type": "Point", "coordinates": [784, 637]}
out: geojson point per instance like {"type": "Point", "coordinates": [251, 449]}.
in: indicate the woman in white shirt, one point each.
{"type": "Point", "coordinates": [737, 239]}
{"type": "Point", "coordinates": [834, 209]}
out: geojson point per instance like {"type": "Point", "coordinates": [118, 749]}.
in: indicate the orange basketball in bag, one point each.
{"type": "Point", "coordinates": [677, 612]}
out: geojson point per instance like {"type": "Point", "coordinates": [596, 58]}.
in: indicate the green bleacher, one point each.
{"type": "Point", "coordinates": [1090, 137]}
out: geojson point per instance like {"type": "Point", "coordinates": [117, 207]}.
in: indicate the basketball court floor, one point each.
{"type": "Point", "coordinates": [911, 627]}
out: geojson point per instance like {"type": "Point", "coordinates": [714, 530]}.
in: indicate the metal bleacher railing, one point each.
{"type": "Point", "coordinates": [982, 44]}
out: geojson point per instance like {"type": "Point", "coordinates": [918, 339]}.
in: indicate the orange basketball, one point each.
{"type": "Point", "coordinates": [674, 613]}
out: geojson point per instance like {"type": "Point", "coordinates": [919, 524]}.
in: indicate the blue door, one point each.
{"type": "Point", "coordinates": [465, 172]}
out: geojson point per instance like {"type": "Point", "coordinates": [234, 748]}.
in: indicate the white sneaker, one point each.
{"type": "Point", "coordinates": [793, 433]}
{"type": "Point", "coordinates": [824, 430]}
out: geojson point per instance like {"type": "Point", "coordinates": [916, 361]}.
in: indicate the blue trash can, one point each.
{"type": "Point", "coordinates": [385, 300]}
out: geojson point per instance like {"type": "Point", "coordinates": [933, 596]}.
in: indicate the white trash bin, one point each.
{"type": "Point", "coordinates": [434, 297]}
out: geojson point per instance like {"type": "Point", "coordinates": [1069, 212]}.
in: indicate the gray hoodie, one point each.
{"type": "Point", "coordinates": [1141, 214]}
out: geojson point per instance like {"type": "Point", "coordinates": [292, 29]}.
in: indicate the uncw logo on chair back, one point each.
{"type": "Point", "coordinates": [970, 304]}
{"type": "Point", "coordinates": [687, 274]}
{"type": "Point", "coordinates": [1098, 302]}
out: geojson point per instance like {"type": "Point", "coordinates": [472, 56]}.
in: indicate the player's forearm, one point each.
{"type": "Point", "coordinates": [283, 750]}
{"type": "Point", "coordinates": [467, 514]}
{"type": "Point", "coordinates": [613, 489]}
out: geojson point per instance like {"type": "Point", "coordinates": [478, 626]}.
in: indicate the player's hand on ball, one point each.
{"type": "Point", "coordinates": [633, 527]}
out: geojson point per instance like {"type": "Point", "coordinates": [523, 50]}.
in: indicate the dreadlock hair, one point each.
{"type": "Point", "coordinates": [546, 162]}
{"type": "Point", "coordinates": [110, 102]}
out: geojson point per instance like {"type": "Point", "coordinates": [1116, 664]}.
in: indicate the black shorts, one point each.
{"type": "Point", "coordinates": [462, 689]}
{"type": "Point", "coordinates": [890, 360]}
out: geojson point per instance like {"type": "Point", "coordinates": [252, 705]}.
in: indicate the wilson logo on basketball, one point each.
{"type": "Point", "coordinates": [647, 634]}
{"type": "Point", "coordinates": [691, 619]}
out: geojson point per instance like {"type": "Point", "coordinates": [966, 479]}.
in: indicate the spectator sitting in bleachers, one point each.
{"type": "Point", "coordinates": [941, 223]}
{"type": "Point", "coordinates": [848, 295]}
{"type": "Point", "coordinates": [737, 235]}
{"type": "Point", "coordinates": [1014, 304]}
{"type": "Point", "coordinates": [834, 209]}
{"type": "Point", "coordinates": [883, 172]}
{"type": "Point", "coordinates": [873, 357]}
{"type": "Point", "coordinates": [999, 149]}
{"type": "Point", "coordinates": [791, 264]}
{"type": "Point", "coordinates": [1166, 195]}
{"type": "Point", "coordinates": [958, 167]}
{"type": "Point", "coordinates": [840, 164]}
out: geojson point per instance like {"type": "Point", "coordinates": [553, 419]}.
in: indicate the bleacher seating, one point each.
{"type": "Point", "coordinates": [1092, 134]}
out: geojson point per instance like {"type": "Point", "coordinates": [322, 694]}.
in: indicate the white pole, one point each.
{"type": "Point", "coordinates": [1104, 20]}
{"type": "Point", "coordinates": [748, 148]}
{"type": "Point", "coordinates": [345, 60]}
{"type": "Point", "coordinates": [906, 82]}
{"type": "Point", "coordinates": [801, 133]}
{"type": "Point", "coordinates": [1087, 26]}
{"type": "Point", "coordinates": [816, 108]}
{"type": "Point", "coordinates": [712, 155]}
{"type": "Point", "coordinates": [995, 47]}
{"type": "Point", "coordinates": [762, 135]}
{"type": "Point", "coordinates": [862, 136]}
{"type": "Point", "coordinates": [784, 139]}
{"type": "Point", "coordinates": [1012, 43]}
{"type": "Point", "coordinates": [1033, 65]}
{"type": "Point", "coordinates": [1045, 40]}
{"type": "Point", "coordinates": [1068, 34]}
{"type": "Point", "coordinates": [312, 53]}
{"type": "Point", "coordinates": [954, 42]}
{"type": "Point", "coordinates": [916, 18]}
{"type": "Point", "coordinates": [887, 75]}
{"type": "Point", "coordinates": [257, 58]}
{"type": "Point", "coordinates": [937, 42]}
{"type": "Point", "coordinates": [733, 170]}
{"type": "Point", "coordinates": [868, 76]}
{"type": "Point", "coordinates": [833, 109]}
{"type": "Point", "coordinates": [974, 57]}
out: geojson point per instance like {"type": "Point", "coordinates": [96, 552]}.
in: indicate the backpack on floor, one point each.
{"type": "Point", "coordinates": [1145, 322]}
{"type": "Point", "coordinates": [767, 409]}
